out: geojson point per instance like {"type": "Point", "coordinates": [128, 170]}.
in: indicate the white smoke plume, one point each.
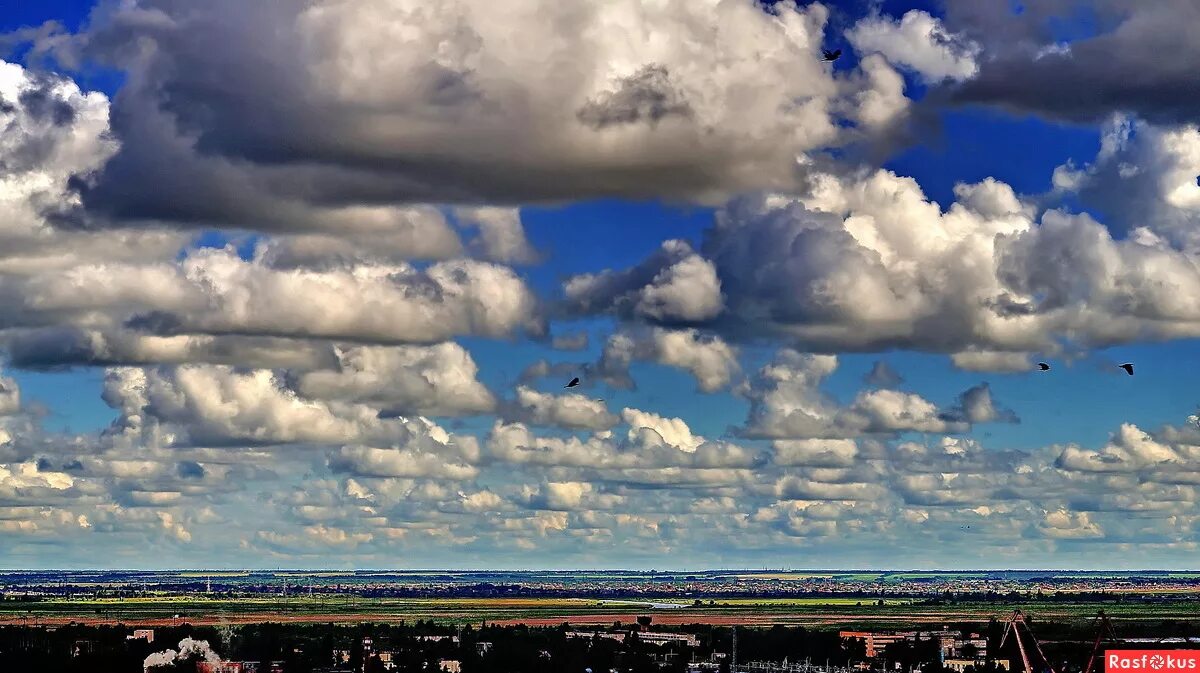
{"type": "Point", "coordinates": [187, 648]}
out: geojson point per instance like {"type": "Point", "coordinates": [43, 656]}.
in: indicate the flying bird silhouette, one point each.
{"type": "Point", "coordinates": [831, 56]}
{"type": "Point", "coordinates": [1128, 367]}
{"type": "Point", "coordinates": [1043, 366]}
{"type": "Point", "coordinates": [574, 382]}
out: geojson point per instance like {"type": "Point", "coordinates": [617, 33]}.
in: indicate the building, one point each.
{"type": "Point", "coordinates": [661, 638]}
{"type": "Point", "coordinates": [619, 637]}
{"type": "Point", "coordinates": [951, 644]}
{"type": "Point", "coordinates": [239, 667]}
{"type": "Point", "coordinates": [876, 642]}
{"type": "Point", "coordinates": [960, 665]}
{"type": "Point", "coordinates": [450, 666]}
{"type": "Point", "coordinates": [142, 634]}
{"type": "Point", "coordinates": [220, 667]}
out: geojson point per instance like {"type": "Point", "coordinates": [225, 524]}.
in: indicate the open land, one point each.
{"type": "Point", "coordinates": [832, 599]}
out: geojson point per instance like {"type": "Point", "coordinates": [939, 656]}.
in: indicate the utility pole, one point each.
{"type": "Point", "coordinates": [733, 665]}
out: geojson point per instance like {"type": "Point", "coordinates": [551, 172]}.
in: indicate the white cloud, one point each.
{"type": "Point", "coordinates": [567, 410]}
{"type": "Point", "coordinates": [23, 476]}
{"type": "Point", "coordinates": [1131, 449]}
{"type": "Point", "coordinates": [561, 496]}
{"type": "Point", "coordinates": [1144, 177]}
{"type": "Point", "coordinates": [815, 452]}
{"type": "Point", "coordinates": [675, 285]}
{"type": "Point", "coordinates": [879, 104]}
{"type": "Point", "coordinates": [501, 234]}
{"type": "Point", "coordinates": [1063, 524]}
{"type": "Point", "coordinates": [613, 113]}
{"type": "Point", "coordinates": [369, 234]}
{"type": "Point", "coordinates": [434, 380]}
{"type": "Point", "coordinates": [398, 462]}
{"type": "Point", "coordinates": [712, 361]}
{"type": "Point", "coordinates": [219, 405]}
{"type": "Point", "coordinates": [866, 263]}
{"type": "Point", "coordinates": [990, 361]}
{"type": "Point", "coordinates": [10, 396]}
{"type": "Point", "coordinates": [673, 431]}
{"type": "Point", "coordinates": [919, 42]}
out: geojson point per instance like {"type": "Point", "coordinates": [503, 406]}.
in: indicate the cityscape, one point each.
{"type": "Point", "coordinates": [720, 621]}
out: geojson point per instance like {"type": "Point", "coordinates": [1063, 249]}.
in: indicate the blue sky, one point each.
{"type": "Point", "coordinates": [743, 233]}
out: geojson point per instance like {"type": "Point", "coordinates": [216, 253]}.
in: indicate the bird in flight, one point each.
{"type": "Point", "coordinates": [1128, 367]}
{"type": "Point", "coordinates": [574, 382]}
{"type": "Point", "coordinates": [1043, 366]}
{"type": "Point", "coordinates": [831, 56]}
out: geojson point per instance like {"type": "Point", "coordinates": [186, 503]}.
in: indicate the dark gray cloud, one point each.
{"type": "Point", "coordinates": [1143, 59]}
{"type": "Point", "coordinates": [883, 375]}
{"type": "Point", "coordinates": [297, 117]}
{"type": "Point", "coordinates": [647, 96]}
{"type": "Point", "coordinates": [976, 405]}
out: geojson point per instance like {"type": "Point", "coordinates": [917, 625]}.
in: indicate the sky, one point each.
{"type": "Point", "coordinates": [310, 299]}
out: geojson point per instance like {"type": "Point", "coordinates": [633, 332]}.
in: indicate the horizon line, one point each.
{"type": "Point", "coordinates": [605, 570]}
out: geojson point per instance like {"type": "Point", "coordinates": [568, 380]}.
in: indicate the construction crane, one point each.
{"type": "Point", "coordinates": [1103, 627]}
{"type": "Point", "coordinates": [1013, 625]}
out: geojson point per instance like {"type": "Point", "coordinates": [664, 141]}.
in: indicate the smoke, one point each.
{"type": "Point", "coordinates": [187, 648]}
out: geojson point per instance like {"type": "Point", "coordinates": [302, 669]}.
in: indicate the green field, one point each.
{"type": "Point", "coordinates": [830, 612]}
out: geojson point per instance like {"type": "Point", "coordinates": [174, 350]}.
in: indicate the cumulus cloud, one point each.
{"type": "Point", "coordinates": [613, 114]}
{"type": "Point", "coordinates": [501, 234]}
{"type": "Point", "coordinates": [1131, 449]}
{"type": "Point", "coordinates": [919, 42]}
{"type": "Point", "coordinates": [368, 234]}
{"type": "Point", "coordinates": [1063, 524]}
{"type": "Point", "coordinates": [657, 450]}
{"type": "Point", "coordinates": [27, 476]}
{"type": "Point", "coordinates": [1119, 68]}
{"type": "Point", "coordinates": [437, 380]}
{"type": "Point", "coordinates": [568, 410]}
{"type": "Point", "coordinates": [219, 405]}
{"type": "Point", "coordinates": [976, 405]}
{"type": "Point", "coordinates": [10, 396]}
{"type": "Point", "coordinates": [815, 452]}
{"type": "Point", "coordinates": [397, 462]}
{"type": "Point", "coordinates": [217, 292]}
{"type": "Point", "coordinates": [673, 431]}
{"type": "Point", "coordinates": [1143, 179]}
{"type": "Point", "coordinates": [867, 263]}
{"type": "Point", "coordinates": [675, 285]}
{"type": "Point", "coordinates": [52, 134]}
{"type": "Point", "coordinates": [56, 347]}
{"type": "Point", "coordinates": [712, 361]}
{"type": "Point", "coordinates": [877, 102]}
{"type": "Point", "coordinates": [562, 496]}
{"type": "Point", "coordinates": [786, 402]}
